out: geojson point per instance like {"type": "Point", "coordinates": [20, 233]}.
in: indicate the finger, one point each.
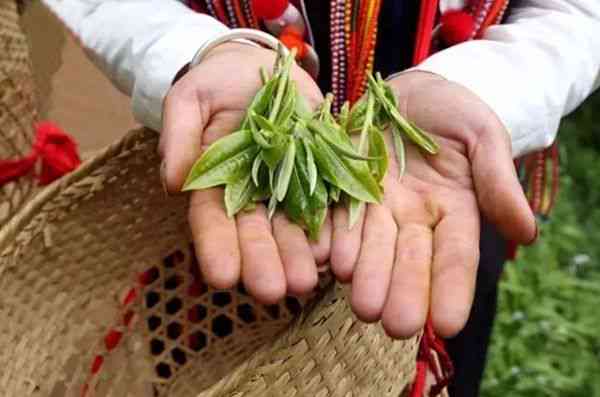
{"type": "Point", "coordinates": [407, 303]}
{"type": "Point", "coordinates": [454, 271]}
{"type": "Point", "coordinates": [321, 248]}
{"type": "Point", "coordinates": [184, 120]}
{"type": "Point", "coordinates": [215, 238]}
{"type": "Point", "coordinates": [345, 244]}
{"type": "Point", "coordinates": [296, 255]}
{"type": "Point", "coordinates": [499, 192]}
{"type": "Point", "coordinates": [372, 274]}
{"type": "Point", "coordinates": [262, 270]}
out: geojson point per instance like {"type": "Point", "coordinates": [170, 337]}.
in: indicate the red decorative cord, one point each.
{"type": "Point", "coordinates": [427, 16]}
{"type": "Point", "coordinates": [432, 357]}
{"type": "Point", "coordinates": [54, 151]}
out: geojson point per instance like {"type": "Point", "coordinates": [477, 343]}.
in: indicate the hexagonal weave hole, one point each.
{"type": "Point", "coordinates": [221, 299]}
{"type": "Point", "coordinates": [222, 326]}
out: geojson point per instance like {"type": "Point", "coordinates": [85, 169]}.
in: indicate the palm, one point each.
{"type": "Point", "coordinates": [417, 253]}
{"type": "Point", "coordinates": [271, 258]}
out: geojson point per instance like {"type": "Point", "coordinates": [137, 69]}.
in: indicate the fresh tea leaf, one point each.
{"type": "Point", "coordinates": [353, 177]}
{"type": "Point", "coordinates": [378, 149]}
{"type": "Point", "coordinates": [311, 167]}
{"type": "Point", "coordinates": [287, 166]}
{"type": "Point", "coordinates": [400, 152]}
{"type": "Point", "coordinates": [219, 152]}
{"type": "Point", "coordinates": [224, 172]}
{"type": "Point", "coordinates": [238, 194]}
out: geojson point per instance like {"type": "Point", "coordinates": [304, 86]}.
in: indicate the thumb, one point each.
{"type": "Point", "coordinates": [184, 121]}
{"type": "Point", "coordinates": [499, 193]}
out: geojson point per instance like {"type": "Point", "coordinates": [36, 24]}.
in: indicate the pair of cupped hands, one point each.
{"type": "Point", "coordinates": [415, 254]}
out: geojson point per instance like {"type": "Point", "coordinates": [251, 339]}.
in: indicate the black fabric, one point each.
{"type": "Point", "coordinates": [468, 349]}
{"type": "Point", "coordinates": [396, 32]}
{"type": "Point", "coordinates": [397, 26]}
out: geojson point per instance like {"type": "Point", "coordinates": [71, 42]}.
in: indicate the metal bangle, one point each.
{"type": "Point", "coordinates": [234, 35]}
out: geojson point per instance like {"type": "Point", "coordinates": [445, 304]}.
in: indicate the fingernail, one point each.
{"type": "Point", "coordinates": [536, 235]}
{"type": "Point", "coordinates": [163, 178]}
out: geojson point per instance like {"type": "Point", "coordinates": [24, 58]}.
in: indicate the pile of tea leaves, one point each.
{"type": "Point", "coordinates": [301, 161]}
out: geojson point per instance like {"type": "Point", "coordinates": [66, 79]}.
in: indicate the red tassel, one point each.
{"type": "Point", "coordinates": [56, 150]}
{"type": "Point", "coordinates": [291, 38]}
{"type": "Point", "coordinates": [442, 369]}
{"type": "Point", "coordinates": [456, 27]}
{"type": "Point", "coordinates": [269, 9]}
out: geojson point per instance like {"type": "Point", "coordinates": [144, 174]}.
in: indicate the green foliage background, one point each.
{"type": "Point", "coordinates": [546, 340]}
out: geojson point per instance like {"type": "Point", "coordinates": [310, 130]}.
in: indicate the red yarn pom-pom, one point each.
{"type": "Point", "coordinates": [457, 26]}
{"type": "Point", "coordinates": [269, 9]}
{"type": "Point", "coordinates": [292, 39]}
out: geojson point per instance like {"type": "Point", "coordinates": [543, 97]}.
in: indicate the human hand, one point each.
{"type": "Point", "coordinates": [417, 253]}
{"type": "Point", "coordinates": [271, 258]}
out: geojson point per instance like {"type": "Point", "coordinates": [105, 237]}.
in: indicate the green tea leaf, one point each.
{"type": "Point", "coordinates": [282, 81]}
{"type": "Point", "coordinates": [334, 193]}
{"type": "Point", "coordinates": [259, 137]}
{"type": "Point", "coordinates": [351, 176]}
{"type": "Point", "coordinates": [311, 167]}
{"type": "Point", "coordinates": [263, 123]}
{"type": "Point", "coordinates": [260, 103]}
{"type": "Point", "coordinates": [224, 172]}
{"type": "Point", "coordinates": [288, 106]}
{"type": "Point", "coordinates": [300, 206]}
{"type": "Point", "coordinates": [363, 147]}
{"type": "Point", "coordinates": [238, 194]}
{"type": "Point", "coordinates": [426, 141]}
{"type": "Point", "coordinates": [287, 166]}
{"type": "Point", "coordinates": [378, 148]}
{"type": "Point", "coordinates": [344, 116]}
{"type": "Point", "coordinates": [255, 169]}
{"type": "Point", "coordinates": [400, 152]}
{"type": "Point", "coordinates": [272, 206]}
{"type": "Point", "coordinates": [318, 128]}
{"type": "Point", "coordinates": [302, 109]}
{"type": "Point", "coordinates": [414, 133]}
{"type": "Point", "coordinates": [272, 156]}
{"type": "Point", "coordinates": [355, 208]}
{"type": "Point", "coordinates": [264, 76]}
{"type": "Point", "coordinates": [219, 152]}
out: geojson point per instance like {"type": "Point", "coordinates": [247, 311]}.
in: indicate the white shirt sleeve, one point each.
{"type": "Point", "coordinates": [139, 44]}
{"type": "Point", "coordinates": [533, 70]}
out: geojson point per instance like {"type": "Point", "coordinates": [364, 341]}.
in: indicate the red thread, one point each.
{"type": "Point", "coordinates": [148, 277]}
{"type": "Point", "coordinates": [112, 339]}
{"type": "Point", "coordinates": [456, 27]}
{"type": "Point", "coordinates": [441, 367]}
{"type": "Point", "coordinates": [418, 389]}
{"type": "Point", "coordinates": [130, 297]}
{"type": "Point", "coordinates": [56, 151]}
{"type": "Point", "coordinates": [269, 9]}
{"type": "Point", "coordinates": [97, 364]}
{"type": "Point", "coordinates": [127, 317]}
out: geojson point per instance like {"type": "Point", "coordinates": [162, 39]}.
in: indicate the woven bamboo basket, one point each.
{"type": "Point", "coordinates": [17, 106]}
{"type": "Point", "coordinates": [100, 292]}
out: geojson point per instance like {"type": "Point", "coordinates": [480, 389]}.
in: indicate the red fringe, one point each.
{"type": "Point", "coordinates": [53, 148]}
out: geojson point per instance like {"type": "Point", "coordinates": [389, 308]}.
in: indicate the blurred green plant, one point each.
{"type": "Point", "coordinates": [546, 339]}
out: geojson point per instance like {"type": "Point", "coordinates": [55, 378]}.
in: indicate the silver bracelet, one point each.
{"type": "Point", "coordinates": [253, 35]}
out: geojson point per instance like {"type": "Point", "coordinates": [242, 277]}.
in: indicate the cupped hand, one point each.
{"type": "Point", "coordinates": [272, 258]}
{"type": "Point", "coordinates": [417, 253]}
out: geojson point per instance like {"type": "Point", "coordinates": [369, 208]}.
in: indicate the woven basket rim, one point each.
{"type": "Point", "coordinates": [33, 206]}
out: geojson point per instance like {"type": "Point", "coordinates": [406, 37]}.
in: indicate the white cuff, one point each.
{"type": "Point", "coordinates": [163, 60]}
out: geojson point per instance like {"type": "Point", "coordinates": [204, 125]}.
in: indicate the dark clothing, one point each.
{"type": "Point", "coordinates": [469, 348]}
{"type": "Point", "coordinates": [397, 26]}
